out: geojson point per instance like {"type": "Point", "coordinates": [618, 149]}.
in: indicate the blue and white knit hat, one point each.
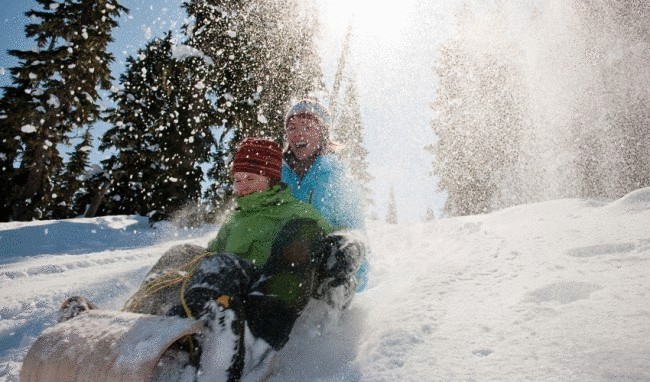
{"type": "Point", "coordinates": [313, 108]}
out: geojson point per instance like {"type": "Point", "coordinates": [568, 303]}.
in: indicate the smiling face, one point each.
{"type": "Point", "coordinates": [247, 183]}
{"type": "Point", "coordinates": [304, 136]}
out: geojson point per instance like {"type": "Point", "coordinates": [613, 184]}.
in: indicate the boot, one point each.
{"type": "Point", "coordinates": [73, 307]}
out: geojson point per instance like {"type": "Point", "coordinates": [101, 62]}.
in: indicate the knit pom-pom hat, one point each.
{"type": "Point", "coordinates": [313, 108]}
{"type": "Point", "coordinates": [259, 156]}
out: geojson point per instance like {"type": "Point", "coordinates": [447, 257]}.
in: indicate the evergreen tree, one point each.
{"type": "Point", "coordinates": [479, 117]}
{"type": "Point", "coordinates": [54, 93]}
{"type": "Point", "coordinates": [391, 216]}
{"type": "Point", "coordinates": [70, 180]}
{"type": "Point", "coordinates": [611, 133]}
{"type": "Point", "coordinates": [10, 150]}
{"type": "Point", "coordinates": [262, 55]}
{"type": "Point", "coordinates": [346, 125]}
{"type": "Point", "coordinates": [348, 130]}
{"type": "Point", "coordinates": [340, 71]}
{"type": "Point", "coordinates": [161, 131]}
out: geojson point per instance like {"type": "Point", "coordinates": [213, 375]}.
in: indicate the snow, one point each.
{"type": "Point", "coordinates": [28, 129]}
{"type": "Point", "coordinates": [557, 290]}
{"type": "Point", "coordinates": [54, 101]}
{"type": "Point", "coordinates": [181, 52]}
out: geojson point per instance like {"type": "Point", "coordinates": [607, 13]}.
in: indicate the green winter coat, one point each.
{"type": "Point", "coordinates": [254, 226]}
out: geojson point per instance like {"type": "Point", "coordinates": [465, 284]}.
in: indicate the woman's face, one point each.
{"type": "Point", "coordinates": [248, 183]}
{"type": "Point", "coordinates": [303, 135]}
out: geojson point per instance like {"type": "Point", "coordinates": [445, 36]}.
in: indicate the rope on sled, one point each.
{"type": "Point", "coordinates": [180, 275]}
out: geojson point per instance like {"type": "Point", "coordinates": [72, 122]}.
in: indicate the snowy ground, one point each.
{"type": "Point", "coordinates": [555, 291]}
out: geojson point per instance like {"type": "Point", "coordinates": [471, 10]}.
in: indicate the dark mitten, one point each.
{"type": "Point", "coordinates": [344, 253]}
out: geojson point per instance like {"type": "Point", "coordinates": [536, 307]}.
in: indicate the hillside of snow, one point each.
{"type": "Point", "coordinates": [555, 291]}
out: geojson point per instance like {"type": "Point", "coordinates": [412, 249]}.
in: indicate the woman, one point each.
{"type": "Point", "coordinates": [316, 176]}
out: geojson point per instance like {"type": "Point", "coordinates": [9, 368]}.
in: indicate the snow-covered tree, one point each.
{"type": "Point", "coordinates": [261, 56]}
{"type": "Point", "coordinates": [347, 127]}
{"type": "Point", "coordinates": [478, 119]}
{"type": "Point", "coordinates": [348, 131]}
{"type": "Point", "coordinates": [610, 126]}
{"type": "Point", "coordinates": [54, 92]}
{"type": "Point", "coordinates": [391, 215]}
{"type": "Point", "coordinates": [161, 131]}
{"type": "Point", "coordinates": [70, 180]}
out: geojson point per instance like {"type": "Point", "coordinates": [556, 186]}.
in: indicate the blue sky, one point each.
{"type": "Point", "coordinates": [393, 51]}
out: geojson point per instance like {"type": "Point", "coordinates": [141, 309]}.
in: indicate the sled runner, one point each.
{"type": "Point", "coordinates": [102, 345]}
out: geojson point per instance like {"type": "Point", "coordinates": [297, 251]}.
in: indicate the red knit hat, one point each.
{"type": "Point", "coordinates": [259, 156]}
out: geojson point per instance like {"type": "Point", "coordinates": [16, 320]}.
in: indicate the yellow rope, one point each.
{"type": "Point", "coordinates": [170, 278]}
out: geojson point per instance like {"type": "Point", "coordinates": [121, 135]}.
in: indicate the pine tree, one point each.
{"type": "Point", "coordinates": [262, 56]}
{"type": "Point", "coordinates": [340, 72]}
{"type": "Point", "coordinates": [479, 117]}
{"type": "Point", "coordinates": [348, 131]}
{"type": "Point", "coordinates": [54, 93]}
{"type": "Point", "coordinates": [161, 131]}
{"type": "Point", "coordinates": [70, 180]}
{"type": "Point", "coordinates": [391, 216]}
{"type": "Point", "coordinates": [610, 127]}
{"type": "Point", "coordinates": [346, 125]}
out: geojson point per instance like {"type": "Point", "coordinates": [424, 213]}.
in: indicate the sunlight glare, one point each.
{"type": "Point", "coordinates": [381, 19]}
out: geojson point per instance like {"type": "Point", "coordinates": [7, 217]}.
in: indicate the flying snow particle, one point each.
{"type": "Point", "coordinates": [147, 31]}
{"type": "Point", "coordinates": [190, 139]}
{"type": "Point", "coordinates": [200, 85]}
{"type": "Point", "coordinates": [181, 52]}
{"type": "Point", "coordinates": [28, 129]}
{"type": "Point", "coordinates": [262, 119]}
{"type": "Point", "coordinates": [86, 149]}
{"type": "Point", "coordinates": [2, 71]}
{"type": "Point", "coordinates": [173, 180]}
{"type": "Point", "coordinates": [54, 101]}
{"type": "Point", "coordinates": [84, 34]}
{"type": "Point", "coordinates": [54, 6]}
{"type": "Point", "coordinates": [231, 33]}
{"type": "Point", "coordinates": [32, 76]}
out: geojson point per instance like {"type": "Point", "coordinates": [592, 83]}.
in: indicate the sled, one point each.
{"type": "Point", "coordinates": [105, 346]}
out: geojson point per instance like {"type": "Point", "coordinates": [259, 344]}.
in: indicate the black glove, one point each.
{"type": "Point", "coordinates": [343, 255]}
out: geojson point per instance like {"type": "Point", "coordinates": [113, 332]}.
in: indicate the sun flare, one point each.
{"type": "Point", "coordinates": [380, 19]}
